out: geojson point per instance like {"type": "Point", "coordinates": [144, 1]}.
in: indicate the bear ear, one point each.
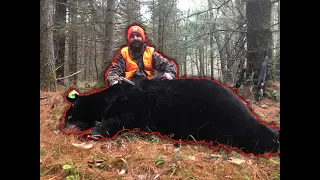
{"type": "Point", "coordinates": [72, 96]}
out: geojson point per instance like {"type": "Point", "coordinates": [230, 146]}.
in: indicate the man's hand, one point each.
{"type": "Point", "coordinates": [167, 76]}
{"type": "Point", "coordinates": [115, 82]}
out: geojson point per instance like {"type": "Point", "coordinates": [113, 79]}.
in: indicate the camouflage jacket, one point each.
{"type": "Point", "coordinates": [159, 63]}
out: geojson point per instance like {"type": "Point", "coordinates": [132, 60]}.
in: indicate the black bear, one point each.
{"type": "Point", "coordinates": [188, 109]}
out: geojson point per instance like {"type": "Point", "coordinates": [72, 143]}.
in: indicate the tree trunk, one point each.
{"type": "Point", "coordinates": [191, 65]}
{"type": "Point", "coordinates": [89, 73]}
{"type": "Point", "coordinates": [73, 44]}
{"type": "Point", "coordinates": [184, 60]}
{"type": "Point", "coordinates": [82, 65]}
{"type": "Point", "coordinates": [229, 62]}
{"type": "Point", "coordinates": [59, 38]}
{"type": "Point", "coordinates": [47, 64]}
{"type": "Point", "coordinates": [258, 34]}
{"type": "Point", "coordinates": [211, 40]}
{"type": "Point", "coordinates": [160, 23]}
{"type": "Point", "coordinates": [201, 73]}
{"type": "Point", "coordinates": [206, 63]}
{"type": "Point", "coordinates": [95, 58]}
{"type": "Point", "coordinates": [108, 50]}
{"type": "Point", "coordinates": [277, 54]}
{"type": "Point", "coordinates": [211, 56]}
{"type": "Point", "coordinates": [153, 22]}
{"type": "Point", "coordinates": [221, 53]}
{"type": "Point", "coordinates": [197, 64]}
{"type": "Point", "coordinates": [239, 54]}
{"type": "Point", "coordinates": [86, 57]}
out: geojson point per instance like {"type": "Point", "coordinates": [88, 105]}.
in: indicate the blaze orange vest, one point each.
{"type": "Point", "coordinates": [131, 65]}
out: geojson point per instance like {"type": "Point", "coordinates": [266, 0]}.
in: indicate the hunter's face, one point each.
{"type": "Point", "coordinates": [135, 39]}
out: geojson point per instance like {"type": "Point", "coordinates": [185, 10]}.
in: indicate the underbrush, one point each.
{"type": "Point", "coordinates": [135, 156]}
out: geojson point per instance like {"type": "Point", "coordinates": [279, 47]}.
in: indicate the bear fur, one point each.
{"type": "Point", "coordinates": [204, 109]}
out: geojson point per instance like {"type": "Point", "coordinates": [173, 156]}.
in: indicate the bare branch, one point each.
{"type": "Point", "coordinates": [133, 18]}
{"type": "Point", "coordinates": [45, 97]}
{"type": "Point", "coordinates": [273, 25]}
{"type": "Point", "coordinates": [200, 12]}
{"type": "Point", "coordinates": [58, 67]}
{"type": "Point", "coordinates": [69, 75]}
{"type": "Point", "coordinates": [209, 33]}
{"type": "Point", "coordinates": [243, 18]}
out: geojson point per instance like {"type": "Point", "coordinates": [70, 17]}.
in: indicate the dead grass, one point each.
{"type": "Point", "coordinates": [142, 157]}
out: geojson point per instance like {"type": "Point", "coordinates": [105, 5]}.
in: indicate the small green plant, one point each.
{"type": "Point", "coordinates": [154, 139]}
{"type": "Point", "coordinates": [67, 169]}
{"type": "Point", "coordinates": [276, 94]}
{"type": "Point", "coordinates": [71, 177]}
{"type": "Point", "coordinates": [236, 154]}
{"type": "Point", "coordinates": [71, 172]}
{"type": "Point", "coordinates": [225, 158]}
{"type": "Point", "coordinates": [176, 153]}
{"type": "Point", "coordinates": [42, 152]}
{"type": "Point", "coordinates": [277, 175]}
{"type": "Point", "coordinates": [246, 176]}
{"type": "Point", "coordinates": [241, 90]}
{"type": "Point", "coordinates": [159, 162]}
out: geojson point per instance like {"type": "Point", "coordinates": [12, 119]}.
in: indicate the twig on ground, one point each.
{"type": "Point", "coordinates": [45, 97]}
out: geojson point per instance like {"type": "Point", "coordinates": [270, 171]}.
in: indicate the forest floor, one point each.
{"type": "Point", "coordinates": [130, 156]}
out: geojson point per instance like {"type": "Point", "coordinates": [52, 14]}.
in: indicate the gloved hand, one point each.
{"type": "Point", "coordinates": [115, 82]}
{"type": "Point", "coordinates": [167, 76]}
